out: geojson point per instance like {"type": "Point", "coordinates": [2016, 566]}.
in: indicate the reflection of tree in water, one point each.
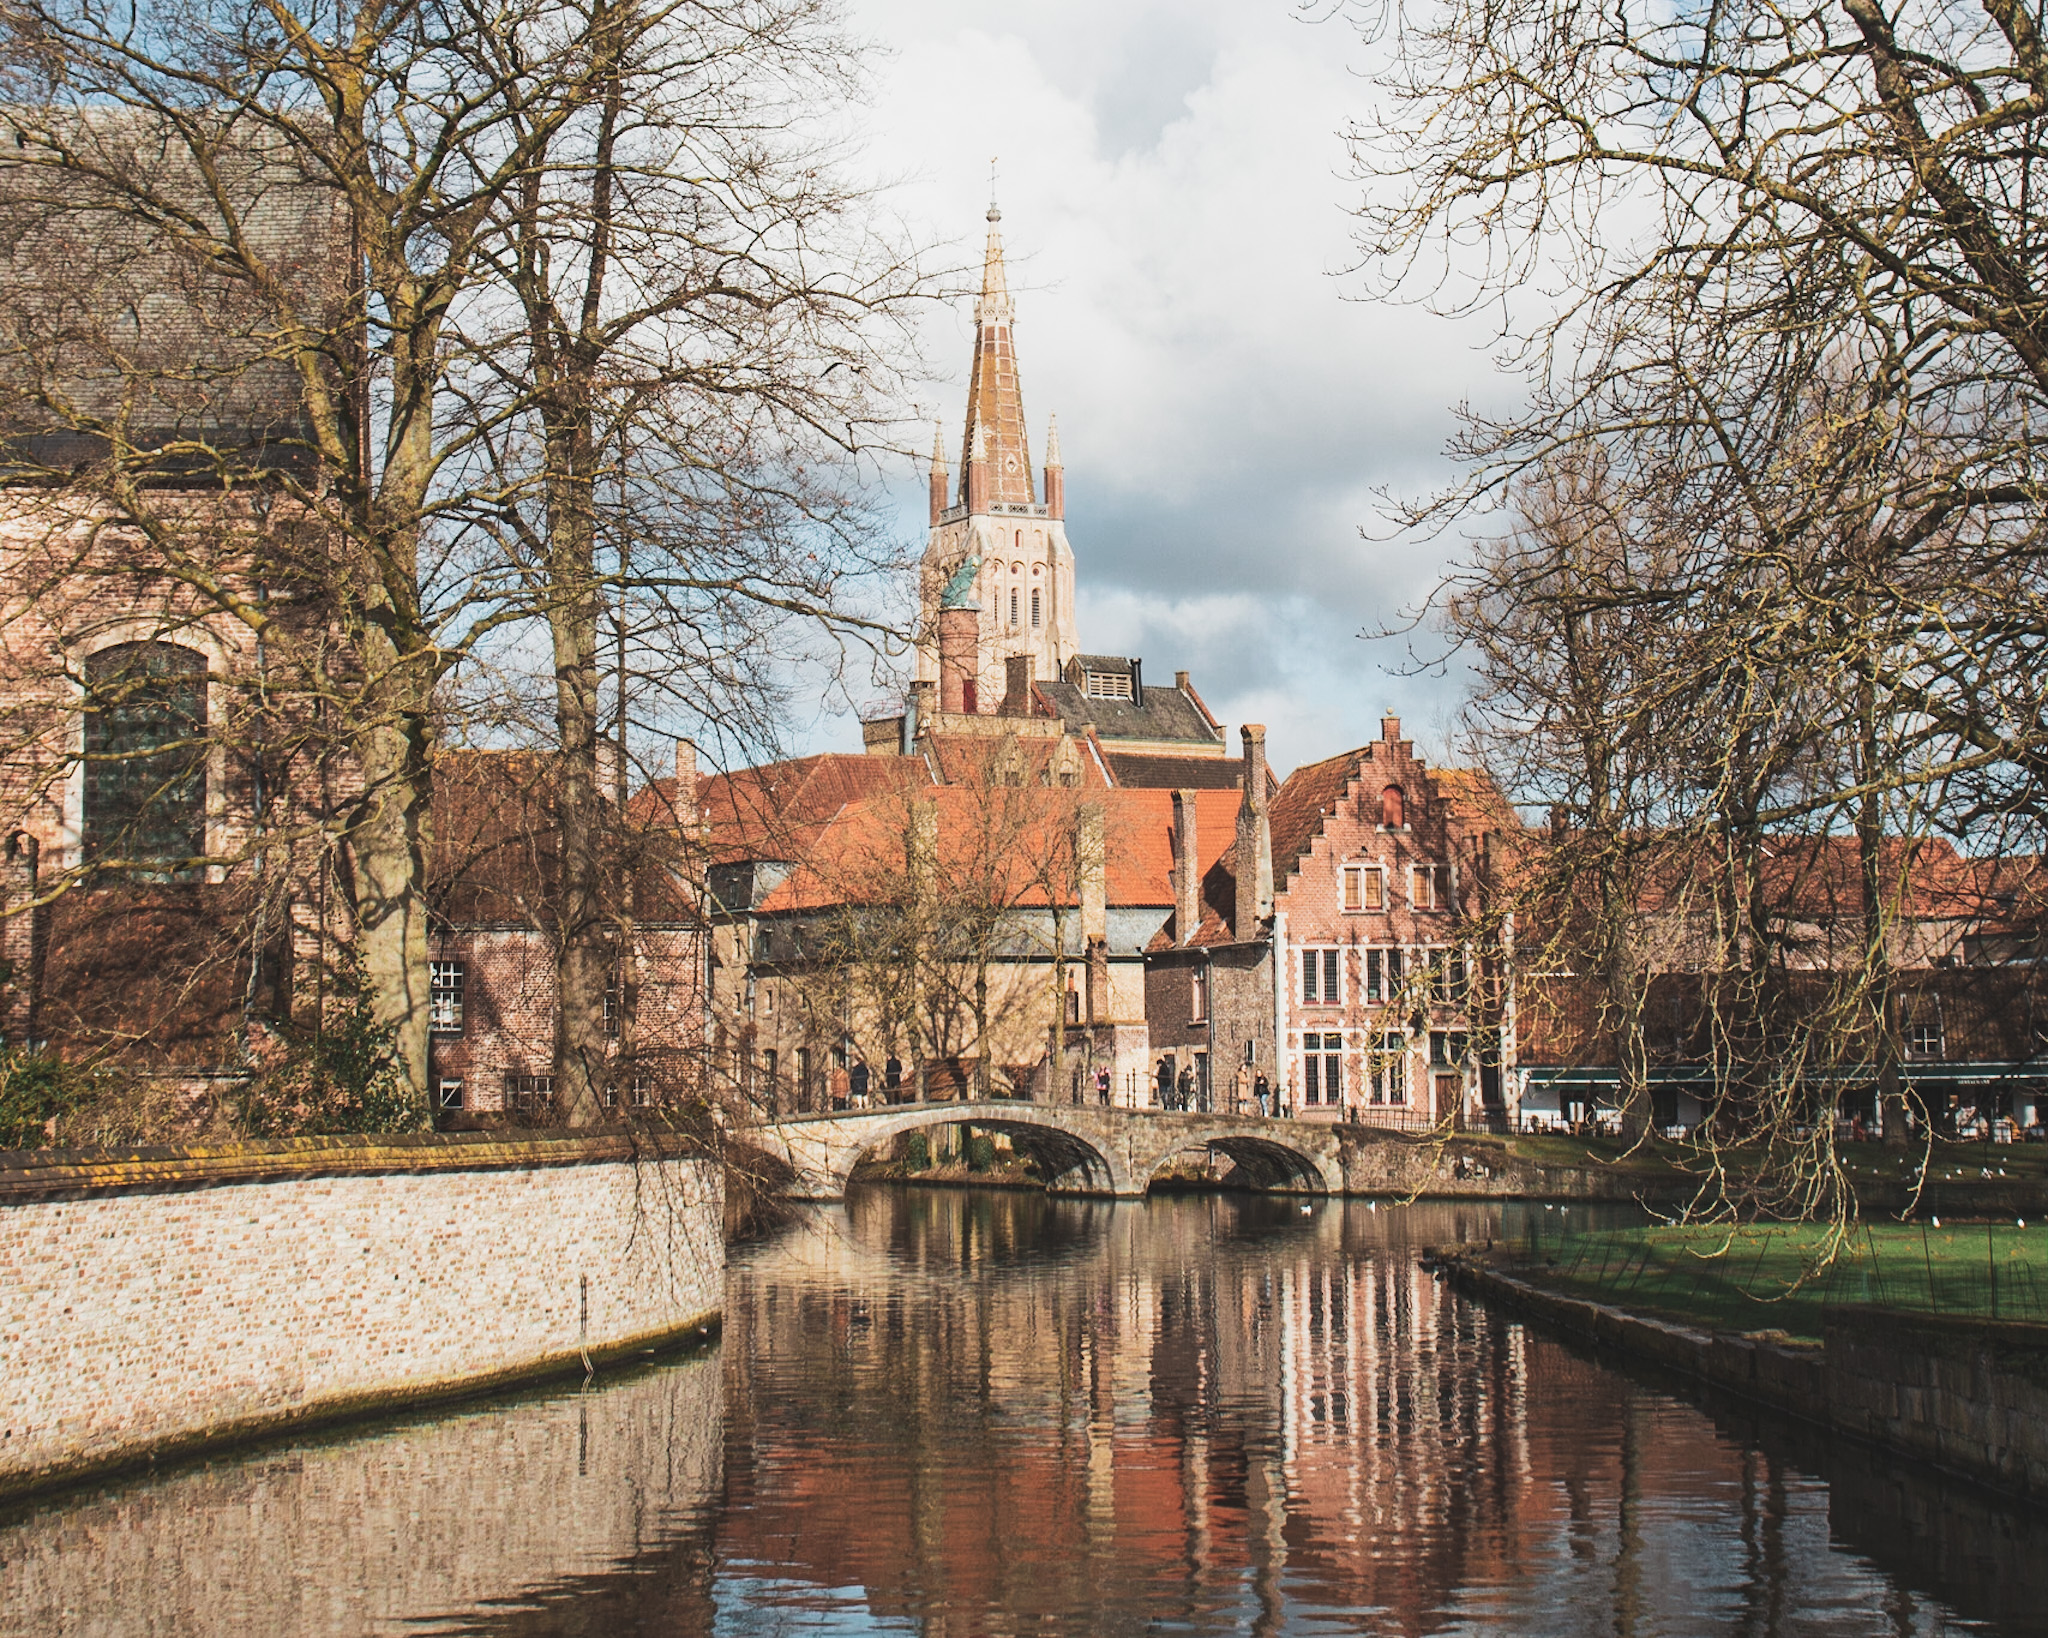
{"type": "Point", "coordinates": [991, 1412]}
{"type": "Point", "coordinates": [982, 1411]}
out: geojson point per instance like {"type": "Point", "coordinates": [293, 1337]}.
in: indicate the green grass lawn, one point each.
{"type": "Point", "coordinates": [1775, 1277]}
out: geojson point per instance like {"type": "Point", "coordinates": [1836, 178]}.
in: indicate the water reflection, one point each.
{"type": "Point", "coordinates": [990, 1413]}
{"type": "Point", "coordinates": [952, 1413]}
{"type": "Point", "coordinates": [411, 1527]}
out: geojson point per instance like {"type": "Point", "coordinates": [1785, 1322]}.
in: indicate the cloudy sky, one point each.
{"type": "Point", "coordinates": [1173, 194]}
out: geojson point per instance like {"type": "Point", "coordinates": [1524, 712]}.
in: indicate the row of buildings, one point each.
{"type": "Point", "coordinates": [1042, 875]}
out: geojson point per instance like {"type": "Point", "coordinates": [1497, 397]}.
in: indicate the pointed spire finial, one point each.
{"type": "Point", "coordinates": [978, 442]}
{"type": "Point", "coordinates": [994, 215]}
{"type": "Point", "coordinates": [1052, 442]}
{"type": "Point", "coordinates": [938, 446]}
{"type": "Point", "coordinates": [994, 306]}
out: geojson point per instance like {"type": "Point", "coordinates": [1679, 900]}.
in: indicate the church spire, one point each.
{"type": "Point", "coordinates": [938, 472]}
{"type": "Point", "coordinates": [995, 395]}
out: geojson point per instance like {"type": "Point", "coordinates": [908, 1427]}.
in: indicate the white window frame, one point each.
{"type": "Point", "coordinates": [1923, 1024]}
{"type": "Point", "coordinates": [1322, 1051]}
{"type": "Point", "coordinates": [1355, 877]}
{"type": "Point", "coordinates": [448, 1092]}
{"type": "Point", "coordinates": [1442, 890]}
{"type": "Point", "coordinates": [1386, 1076]}
{"type": "Point", "coordinates": [1329, 962]}
{"type": "Point", "coordinates": [446, 979]}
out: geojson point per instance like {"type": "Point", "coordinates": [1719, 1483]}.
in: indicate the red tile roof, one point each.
{"type": "Point", "coordinates": [1007, 832]}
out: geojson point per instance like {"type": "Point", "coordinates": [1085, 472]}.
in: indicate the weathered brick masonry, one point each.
{"type": "Point", "coordinates": [175, 1298]}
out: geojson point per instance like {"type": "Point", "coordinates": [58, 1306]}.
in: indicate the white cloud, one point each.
{"type": "Point", "coordinates": [1173, 206]}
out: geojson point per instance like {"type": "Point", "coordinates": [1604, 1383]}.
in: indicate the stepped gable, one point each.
{"type": "Point", "coordinates": [1304, 800]}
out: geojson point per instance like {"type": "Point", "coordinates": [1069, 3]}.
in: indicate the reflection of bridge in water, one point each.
{"type": "Point", "coordinates": [1079, 1149]}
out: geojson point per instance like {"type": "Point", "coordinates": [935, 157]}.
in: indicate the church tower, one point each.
{"type": "Point", "coordinates": [997, 520]}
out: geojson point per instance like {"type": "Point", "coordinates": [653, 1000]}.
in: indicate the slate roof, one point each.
{"type": "Point", "coordinates": [1164, 713]}
{"type": "Point", "coordinates": [1147, 771]}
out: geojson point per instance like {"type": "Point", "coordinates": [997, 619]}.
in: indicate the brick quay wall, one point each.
{"type": "Point", "coordinates": [159, 1301]}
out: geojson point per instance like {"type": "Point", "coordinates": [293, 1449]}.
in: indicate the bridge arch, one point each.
{"type": "Point", "coordinates": [1268, 1164]}
{"type": "Point", "coordinates": [1081, 1149]}
{"type": "Point", "coordinates": [824, 1150]}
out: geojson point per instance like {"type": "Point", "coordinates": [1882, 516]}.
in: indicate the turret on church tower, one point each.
{"type": "Point", "coordinates": [1024, 587]}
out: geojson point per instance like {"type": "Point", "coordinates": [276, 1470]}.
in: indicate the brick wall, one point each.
{"type": "Point", "coordinates": [1310, 894]}
{"type": "Point", "coordinates": [191, 1296]}
{"type": "Point", "coordinates": [507, 1025]}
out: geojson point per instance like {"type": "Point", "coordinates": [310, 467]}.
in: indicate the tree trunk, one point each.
{"type": "Point", "coordinates": [387, 847]}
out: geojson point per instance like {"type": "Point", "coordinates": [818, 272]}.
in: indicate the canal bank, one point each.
{"type": "Point", "coordinates": [159, 1302]}
{"type": "Point", "coordinates": [1965, 1394]}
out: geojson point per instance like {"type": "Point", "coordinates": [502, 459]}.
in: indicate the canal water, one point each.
{"type": "Point", "coordinates": [960, 1413]}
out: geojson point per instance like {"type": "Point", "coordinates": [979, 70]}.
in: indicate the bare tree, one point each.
{"type": "Point", "coordinates": [707, 327]}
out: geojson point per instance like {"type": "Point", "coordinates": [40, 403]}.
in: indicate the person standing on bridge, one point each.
{"type": "Point", "coordinates": [1262, 1095]}
{"type": "Point", "coordinates": [1102, 1085]}
{"type": "Point", "coordinates": [1186, 1091]}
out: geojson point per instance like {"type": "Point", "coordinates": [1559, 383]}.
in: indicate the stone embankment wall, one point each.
{"type": "Point", "coordinates": [1968, 1395]}
{"type": "Point", "coordinates": [1476, 1167]}
{"type": "Point", "coordinates": [163, 1300]}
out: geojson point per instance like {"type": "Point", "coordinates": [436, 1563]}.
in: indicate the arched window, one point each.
{"type": "Point", "coordinates": [145, 759]}
{"type": "Point", "coordinates": [1034, 609]}
{"type": "Point", "coordinates": [1013, 606]}
{"type": "Point", "coordinates": [1391, 807]}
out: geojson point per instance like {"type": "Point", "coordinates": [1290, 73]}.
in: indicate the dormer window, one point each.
{"type": "Point", "coordinates": [1099, 685]}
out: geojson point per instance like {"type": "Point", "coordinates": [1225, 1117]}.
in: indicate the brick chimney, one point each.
{"type": "Point", "coordinates": [1390, 731]}
{"type": "Point", "coordinates": [1254, 840]}
{"type": "Point", "coordinates": [1017, 681]}
{"type": "Point", "coordinates": [1092, 862]}
{"type": "Point", "coordinates": [1187, 870]}
{"type": "Point", "coordinates": [687, 814]}
{"type": "Point", "coordinates": [959, 659]}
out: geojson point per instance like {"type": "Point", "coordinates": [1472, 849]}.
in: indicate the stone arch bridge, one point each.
{"type": "Point", "coordinates": [1080, 1149]}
